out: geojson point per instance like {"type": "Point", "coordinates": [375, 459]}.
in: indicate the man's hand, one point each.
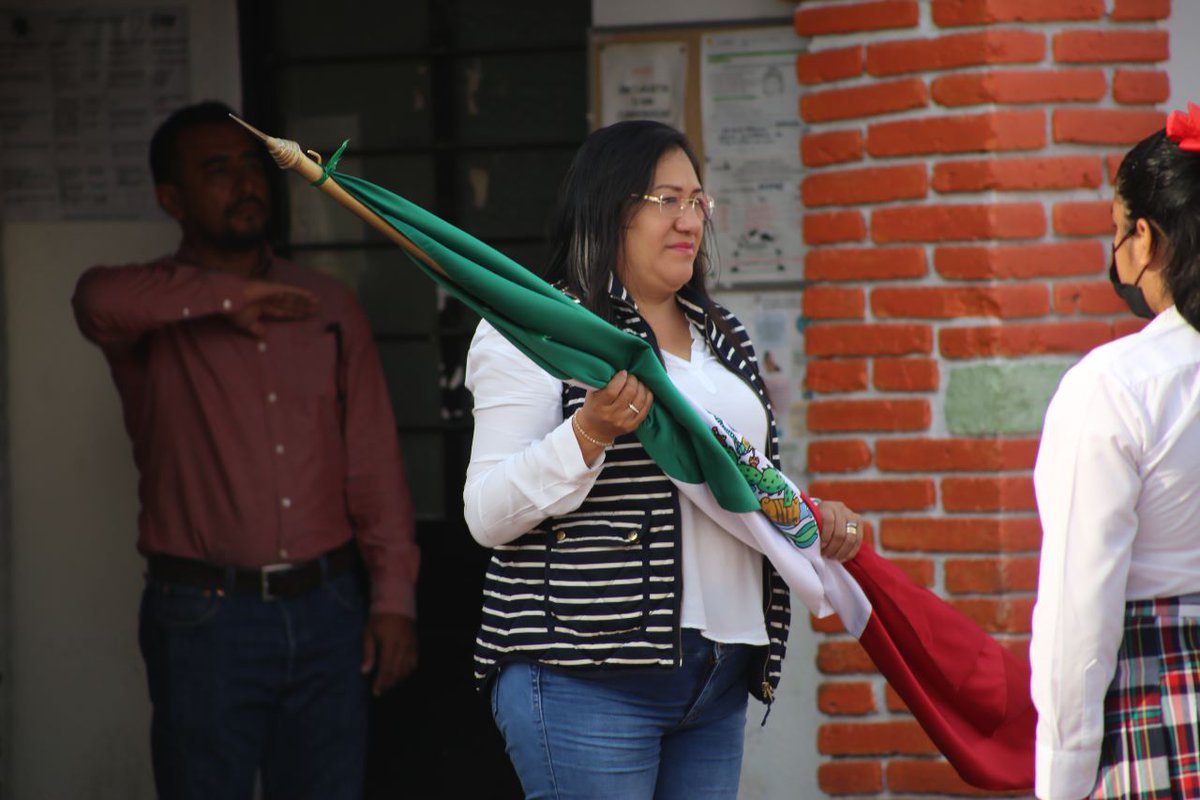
{"type": "Point", "coordinates": [271, 300]}
{"type": "Point", "coordinates": [390, 648]}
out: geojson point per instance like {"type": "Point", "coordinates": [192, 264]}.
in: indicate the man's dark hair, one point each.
{"type": "Point", "coordinates": [1160, 183]}
{"type": "Point", "coordinates": [164, 145]}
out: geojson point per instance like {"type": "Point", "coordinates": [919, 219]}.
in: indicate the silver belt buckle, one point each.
{"type": "Point", "coordinates": [265, 580]}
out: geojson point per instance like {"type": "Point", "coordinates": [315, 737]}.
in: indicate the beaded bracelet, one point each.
{"type": "Point", "coordinates": [575, 424]}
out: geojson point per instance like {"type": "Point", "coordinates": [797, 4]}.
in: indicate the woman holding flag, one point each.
{"type": "Point", "coordinates": [593, 552]}
{"type": "Point", "coordinates": [622, 628]}
{"type": "Point", "coordinates": [1116, 629]}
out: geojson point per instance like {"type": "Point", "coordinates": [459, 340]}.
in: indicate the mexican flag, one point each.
{"type": "Point", "coordinates": [969, 694]}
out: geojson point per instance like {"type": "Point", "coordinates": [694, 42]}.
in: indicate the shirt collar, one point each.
{"type": "Point", "coordinates": [1169, 317]}
{"type": "Point", "coordinates": [266, 265]}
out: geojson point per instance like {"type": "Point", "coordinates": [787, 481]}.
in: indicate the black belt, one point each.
{"type": "Point", "coordinates": [270, 582]}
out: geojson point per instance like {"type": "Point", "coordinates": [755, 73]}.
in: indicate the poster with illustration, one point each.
{"type": "Point", "coordinates": [751, 135]}
{"type": "Point", "coordinates": [774, 322]}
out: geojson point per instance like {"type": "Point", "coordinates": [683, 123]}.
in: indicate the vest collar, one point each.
{"type": "Point", "coordinates": [687, 298]}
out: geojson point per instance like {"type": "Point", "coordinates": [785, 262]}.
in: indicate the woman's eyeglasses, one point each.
{"type": "Point", "coordinates": [674, 207]}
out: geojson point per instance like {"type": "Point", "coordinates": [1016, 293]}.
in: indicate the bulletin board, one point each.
{"type": "Point", "coordinates": [690, 39]}
{"type": "Point", "coordinates": [686, 39]}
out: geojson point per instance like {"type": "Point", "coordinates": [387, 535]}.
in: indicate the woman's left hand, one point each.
{"type": "Point", "coordinates": [841, 531]}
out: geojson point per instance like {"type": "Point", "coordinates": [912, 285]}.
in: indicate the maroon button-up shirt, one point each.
{"type": "Point", "coordinates": [239, 442]}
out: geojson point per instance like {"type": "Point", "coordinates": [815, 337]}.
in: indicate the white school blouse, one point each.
{"type": "Point", "coordinates": [526, 466]}
{"type": "Point", "coordinates": [1118, 492]}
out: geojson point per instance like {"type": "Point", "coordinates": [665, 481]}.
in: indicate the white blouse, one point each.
{"type": "Point", "coordinates": [526, 466]}
{"type": "Point", "coordinates": [1118, 492]}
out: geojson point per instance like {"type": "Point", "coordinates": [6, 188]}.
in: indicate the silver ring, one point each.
{"type": "Point", "coordinates": [634, 408]}
{"type": "Point", "coordinates": [852, 529]}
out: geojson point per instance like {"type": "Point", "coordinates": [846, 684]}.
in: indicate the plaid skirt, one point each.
{"type": "Point", "coordinates": [1151, 748]}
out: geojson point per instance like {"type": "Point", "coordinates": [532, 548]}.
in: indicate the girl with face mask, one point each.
{"type": "Point", "coordinates": [1116, 630]}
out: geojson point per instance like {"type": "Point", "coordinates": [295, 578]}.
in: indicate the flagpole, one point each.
{"type": "Point", "coordinates": [288, 155]}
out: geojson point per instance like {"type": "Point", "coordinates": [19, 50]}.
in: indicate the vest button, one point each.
{"type": "Point", "coordinates": [561, 536]}
{"type": "Point", "coordinates": [632, 536]}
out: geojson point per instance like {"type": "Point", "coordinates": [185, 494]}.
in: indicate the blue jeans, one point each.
{"type": "Point", "coordinates": [240, 684]}
{"type": "Point", "coordinates": [666, 734]}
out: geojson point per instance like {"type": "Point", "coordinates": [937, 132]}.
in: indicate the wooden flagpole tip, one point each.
{"type": "Point", "coordinates": [250, 127]}
{"type": "Point", "coordinates": [285, 152]}
{"type": "Point", "coordinates": [287, 155]}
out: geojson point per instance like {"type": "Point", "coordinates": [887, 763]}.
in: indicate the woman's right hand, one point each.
{"type": "Point", "coordinates": [615, 410]}
{"type": "Point", "coordinates": [841, 531]}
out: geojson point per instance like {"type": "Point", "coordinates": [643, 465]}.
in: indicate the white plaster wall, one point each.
{"type": "Point", "coordinates": [78, 715]}
{"type": "Point", "coordinates": [1184, 65]}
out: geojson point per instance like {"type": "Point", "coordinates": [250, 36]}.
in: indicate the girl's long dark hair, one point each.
{"type": "Point", "coordinates": [613, 168]}
{"type": "Point", "coordinates": [1160, 183]}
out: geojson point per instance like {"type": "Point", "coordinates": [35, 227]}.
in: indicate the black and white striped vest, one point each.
{"type": "Point", "coordinates": [601, 586]}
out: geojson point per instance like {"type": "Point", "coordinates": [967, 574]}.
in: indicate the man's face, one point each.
{"type": "Point", "coordinates": [220, 196]}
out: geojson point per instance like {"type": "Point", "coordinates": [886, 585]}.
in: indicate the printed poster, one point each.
{"type": "Point", "coordinates": [750, 113]}
{"type": "Point", "coordinates": [81, 92]}
{"type": "Point", "coordinates": [643, 81]}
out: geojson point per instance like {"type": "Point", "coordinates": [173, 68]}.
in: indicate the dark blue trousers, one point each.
{"type": "Point", "coordinates": [240, 684]}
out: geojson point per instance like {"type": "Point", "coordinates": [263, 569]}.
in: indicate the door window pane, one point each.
{"type": "Point", "coordinates": [308, 28]}
{"type": "Point", "coordinates": [373, 103]}
{"type": "Point", "coordinates": [505, 194]}
{"type": "Point", "coordinates": [520, 98]}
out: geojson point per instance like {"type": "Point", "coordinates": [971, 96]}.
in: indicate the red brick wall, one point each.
{"type": "Point", "coordinates": [959, 159]}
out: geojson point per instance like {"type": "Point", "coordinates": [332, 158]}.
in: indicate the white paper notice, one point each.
{"type": "Point", "coordinates": [81, 93]}
{"type": "Point", "coordinates": [750, 111]}
{"type": "Point", "coordinates": [643, 81]}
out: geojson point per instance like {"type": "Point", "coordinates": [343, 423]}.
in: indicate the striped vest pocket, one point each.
{"type": "Point", "coordinates": [597, 577]}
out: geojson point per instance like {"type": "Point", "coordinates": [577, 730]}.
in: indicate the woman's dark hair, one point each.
{"type": "Point", "coordinates": [599, 195]}
{"type": "Point", "coordinates": [1160, 183]}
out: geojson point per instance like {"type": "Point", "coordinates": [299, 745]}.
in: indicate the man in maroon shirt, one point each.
{"type": "Point", "coordinates": [269, 472]}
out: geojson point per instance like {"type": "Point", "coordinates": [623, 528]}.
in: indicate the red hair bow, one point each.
{"type": "Point", "coordinates": [1184, 129]}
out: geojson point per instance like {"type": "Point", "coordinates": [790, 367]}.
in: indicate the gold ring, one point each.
{"type": "Point", "coordinates": [634, 408]}
{"type": "Point", "coordinates": [852, 529]}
